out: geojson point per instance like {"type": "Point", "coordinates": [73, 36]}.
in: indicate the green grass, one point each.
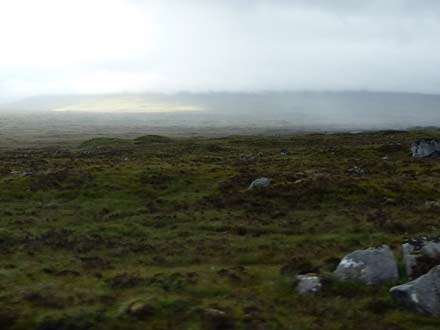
{"type": "Point", "coordinates": [169, 223]}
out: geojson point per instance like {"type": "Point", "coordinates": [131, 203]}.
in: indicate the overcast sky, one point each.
{"type": "Point", "coordinates": [101, 46]}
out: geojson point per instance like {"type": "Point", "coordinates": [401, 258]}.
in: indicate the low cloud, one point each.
{"type": "Point", "coordinates": [130, 46]}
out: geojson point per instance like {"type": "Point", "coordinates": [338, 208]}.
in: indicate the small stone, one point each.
{"type": "Point", "coordinates": [308, 284]}
{"type": "Point", "coordinates": [432, 205]}
{"type": "Point", "coordinates": [140, 309]}
{"type": "Point", "coordinates": [260, 183]}
{"type": "Point", "coordinates": [357, 171]}
{"type": "Point", "coordinates": [389, 201]}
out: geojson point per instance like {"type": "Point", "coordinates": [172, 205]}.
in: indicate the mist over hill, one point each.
{"type": "Point", "coordinates": [305, 110]}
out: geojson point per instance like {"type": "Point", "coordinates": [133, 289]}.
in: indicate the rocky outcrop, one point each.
{"type": "Point", "coordinates": [370, 266]}
{"type": "Point", "coordinates": [421, 295]}
{"type": "Point", "coordinates": [426, 148]}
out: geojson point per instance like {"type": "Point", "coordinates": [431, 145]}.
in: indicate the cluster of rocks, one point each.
{"type": "Point", "coordinates": [419, 149]}
{"type": "Point", "coordinates": [377, 265]}
{"type": "Point", "coordinates": [371, 266]}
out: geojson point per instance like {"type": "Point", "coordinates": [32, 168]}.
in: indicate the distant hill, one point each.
{"type": "Point", "coordinates": [300, 109]}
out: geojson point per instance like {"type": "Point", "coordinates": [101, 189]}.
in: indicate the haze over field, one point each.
{"type": "Point", "coordinates": [225, 63]}
{"type": "Point", "coordinates": [75, 117]}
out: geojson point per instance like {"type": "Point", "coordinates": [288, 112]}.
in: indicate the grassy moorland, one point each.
{"type": "Point", "coordinates": [159, 233]}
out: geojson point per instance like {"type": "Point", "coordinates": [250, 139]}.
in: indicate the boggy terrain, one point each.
{"type": "Point", "coordinates": [161, 233]}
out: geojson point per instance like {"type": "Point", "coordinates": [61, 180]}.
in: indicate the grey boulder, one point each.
{"type": "Point", "coordinates": [431, 249]}
{"type": "Point", "coordinates": [421, 295]}
{"type": "Point", "coordinates": [308, 284]}
{"type": "Point", "coordinates": [260, 183]}
{"type": "Point", "coordinates": [371, 266]}
{"type": "Point", "coordinates": [425, 148]}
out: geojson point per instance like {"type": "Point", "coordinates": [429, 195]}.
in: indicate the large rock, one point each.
{"type": "Point", "coordinates": [421, 295]}
{"type": "Point", "coordinates": [425, 148]}
{"type": "Point", "coordinates": [308, 284]}
{"type": "Point", "coordinates": [420, 255]}
{"type": "Point", "coordinates": [370, 266]}
{"type": "Point", "coordinates": [260, 183]}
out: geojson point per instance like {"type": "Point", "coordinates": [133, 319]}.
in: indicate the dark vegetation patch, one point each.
{"type": "Point", "coordinates": [104, 142]}
{"type": "Point", "coordinates": [146, 139]}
